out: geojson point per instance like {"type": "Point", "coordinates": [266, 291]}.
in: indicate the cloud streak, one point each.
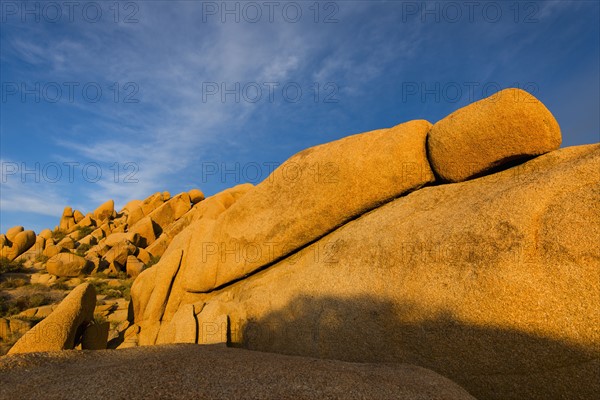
{"type": "Point", "coordinates": [171, 52]}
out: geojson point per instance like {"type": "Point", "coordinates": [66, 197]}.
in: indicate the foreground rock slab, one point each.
{"type": "Point", "coordinates": [60, 329]}
{"type": "Point", "coordinates": [212, 372]}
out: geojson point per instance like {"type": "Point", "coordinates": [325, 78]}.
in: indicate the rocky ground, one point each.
{"type": "Point", "coordinates": [187, 371]}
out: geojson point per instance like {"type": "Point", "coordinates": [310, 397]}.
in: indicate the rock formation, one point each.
{"type": "Point", "coordinates": [66, 264]}
{"type": "Point", "coordinates": [308, 196]}
{"type": "Point", "coordinates": [491, 282]}
{"type": "Point", "coordinates": [509, 126]}
{"type": "Point", "coordinates": [16, 242]}
{"type": "Point", "coordinates": [468, 247]}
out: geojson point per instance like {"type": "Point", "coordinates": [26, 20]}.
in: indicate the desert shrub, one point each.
{"type": "Point", "coordinates": [98, 319]}
{"type": "Point", "coordinates": [11, 306]}
{"type": "Point", "coordinates": [38, 287]}
{"type": "Point", "coordinates": [82, 249]}
{"type": "Point", "coordinates": [12, 283]}
{"type": "Point", "coordinates": [37, 299]}
{"type": "Point", "coordinates": [153, 260]}
{"type": "Point", "coordinates": [11, 266]}
{"type": "Point", "coordinates": [59, 286]}
{"type": "Point", "coordinates": [7, 343]}
{"type": "Point", "coordinates": [85, 230]}
{"type": "Point", "coordinates": [123, 290]}
{"type": "Point", "coordinates": [122, 275]}
{"type": "Point", "coordinates": [42, 258]}
{"type": "Point", "coordinates": [126, 290]}
{"type": "Point", "coordinates": [58, 235]}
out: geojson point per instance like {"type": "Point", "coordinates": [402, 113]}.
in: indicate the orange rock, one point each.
{"type": "Point", "coordinates": [510, 125]}
{"type": "Point", "coordinates": [59, 330]}
{"type": "Point", "coordinates": [309, 195]}
{"type": "Point", "coordinates": [196, 196]}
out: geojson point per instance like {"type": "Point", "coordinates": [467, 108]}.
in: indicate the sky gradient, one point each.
{"type": "Point", "coordinates": [119, 100]}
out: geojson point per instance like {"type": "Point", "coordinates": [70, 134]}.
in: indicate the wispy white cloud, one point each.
{"type": "Point", "coordinates": [544, 9]}
{"type": "Point", "coordinates": [38, 196]}
{"type": "Point", "coordinates": [168, 55]}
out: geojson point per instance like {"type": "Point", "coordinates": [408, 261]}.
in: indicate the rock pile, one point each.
{"type": "Point", "coordinates": [15, 242]}
{"type": "Point", "coordinates": [104, 239]}
{"type": "Point", "coordinates": [87, 248]}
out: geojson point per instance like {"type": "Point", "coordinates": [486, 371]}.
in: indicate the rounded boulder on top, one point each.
{"type": "Point", "coordinates": [508, 126]}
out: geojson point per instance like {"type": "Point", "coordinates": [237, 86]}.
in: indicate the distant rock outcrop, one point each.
{"type": "Point", "coordinates": [67, 264]}
{"type": "Point", "coordinates": [19, 244]}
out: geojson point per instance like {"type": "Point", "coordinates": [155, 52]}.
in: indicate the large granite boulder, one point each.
{"type": "Point", "coordinates": [308, 196]}
{"type": "Point", "coordinates": [508, 126]}
{"type": "Point", "coordinates": [67, 264]}
{"type": "Point", "coordinates": [492, 282]}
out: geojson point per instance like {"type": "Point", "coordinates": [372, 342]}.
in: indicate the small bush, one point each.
{"type": "Point", "coordinates": [11, 266]}
{"type": "Point", "coordinates": [42, 258]}
{"type": "Point", "coordinates": [112, 292]}
{"type": "Point", "coordinates": [119, 275]}
{"type": "Point", "coordinates": [126, 291]}
{"type": "Point", "coordinates": [99, 319]}
{"type": "Point", "coordinates": [100, 275]}
{"type": "Point", "coordinates": [38, 287]}
{"type": "Point", "coordinates": [85, 230]}
{"type": "Point", "coordinates": [123, 290]}
{"type": "Point", "coordinates": [37, 299]}
{"type": "Point", "coordinates": [7, 343]}
{"type": "Point", "coordinates": [12, 306]}
{"type": "Point", "coordinates": [58, 235]}
{"type": "Point", "coordinates": [82, 249]}
{"type": "Point", "coordinates": [153, 260]}
{"type": "Point", "coordinates": [12, 283]}
{"type": "Point", "coordinates": [60, 286]}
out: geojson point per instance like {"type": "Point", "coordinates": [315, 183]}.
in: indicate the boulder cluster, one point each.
{"type": "Point", "coordinates": [468, 247]}
{"type": "Point", "coordinates": [105, 240]}
{"type": "Point", "coordinates": [80, 249]}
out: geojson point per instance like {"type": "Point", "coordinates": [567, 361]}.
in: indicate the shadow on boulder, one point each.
{"type": "Point", "coordinates": [491, 363]}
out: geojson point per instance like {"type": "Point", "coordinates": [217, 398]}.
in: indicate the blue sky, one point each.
{"type": "Point", "coordinates": [119, 100]}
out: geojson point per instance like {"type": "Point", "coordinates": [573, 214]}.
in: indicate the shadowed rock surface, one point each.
{"type": "Point", "coordinates": [212, 372]}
